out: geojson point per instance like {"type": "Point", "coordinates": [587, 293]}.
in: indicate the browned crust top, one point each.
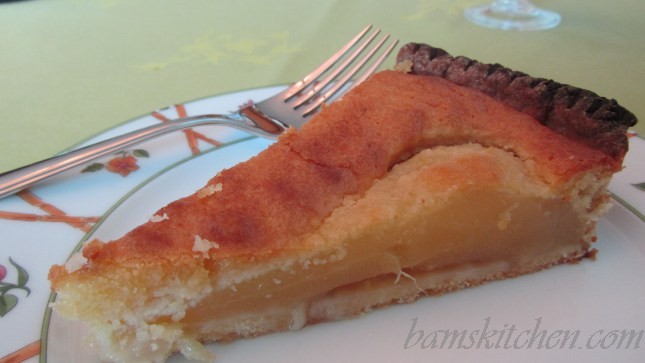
{"type": "Point", "coordinates": [265, 205]}
{"type": "Point", "coordinates": [573, 112]}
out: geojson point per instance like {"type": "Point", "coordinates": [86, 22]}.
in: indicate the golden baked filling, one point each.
{"type": "Point", "coordinates": [413, 184]}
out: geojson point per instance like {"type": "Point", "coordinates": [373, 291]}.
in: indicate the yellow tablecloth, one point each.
{"type": "Point", "coordinates": [72, 68]}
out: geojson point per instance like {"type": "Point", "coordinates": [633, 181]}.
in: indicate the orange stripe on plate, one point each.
{"type": "Point", "coordinates": [46, 218]}
{"type": "Point", "coordinates": [34, 200]}
{"type": "Point", "coordinates": [190, 134]}
{"type": "Point", "coordinates": [22, 354]}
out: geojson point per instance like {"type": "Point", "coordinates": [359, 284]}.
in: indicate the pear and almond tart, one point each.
{"type": "Point", "coordinates": [442, 174]}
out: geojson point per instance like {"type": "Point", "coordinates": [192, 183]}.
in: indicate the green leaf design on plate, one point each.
{"type": "Point", "coordinates": [7, 303]}
{"type": "Point", "coordinates": [23, 275]}
{"type": "Point", "coordinates": [140, 153]}
{"type": "Point", "coordinates": [92, 168]}
{"type": "Point", "coordinates": [640, 186]}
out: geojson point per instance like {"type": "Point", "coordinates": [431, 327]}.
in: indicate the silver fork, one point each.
{"type": "Point", "coordinates": [292, 107]}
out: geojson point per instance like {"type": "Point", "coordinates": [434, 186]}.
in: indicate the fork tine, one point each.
{"type": "Point", "coordinates": [374, 65]}
{"type": "Point", "coordinates": [340, 83]}
{"type": "Point", "coordinates": [327, 80]}
{"type": "Point", "coordinates": [309, 78]}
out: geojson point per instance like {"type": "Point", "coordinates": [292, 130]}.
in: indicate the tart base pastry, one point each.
{"type": "Point", "coordinates": [411, 185]}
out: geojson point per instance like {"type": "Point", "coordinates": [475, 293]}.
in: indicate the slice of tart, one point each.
{"type": "Point", "coordinates": [445, 175]}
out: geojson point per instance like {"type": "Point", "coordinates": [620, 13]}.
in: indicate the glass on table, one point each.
{"type": "Point", "coordinates": [512, 15]}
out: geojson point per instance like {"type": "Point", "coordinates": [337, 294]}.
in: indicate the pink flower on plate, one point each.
{"type": "Point", "coordinates": [3, 272]}
{"type": "Point", "coordinates": [123, 165]}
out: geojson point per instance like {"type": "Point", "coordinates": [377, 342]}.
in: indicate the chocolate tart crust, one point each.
{"type": "Point", "coordinates": [576, 113]}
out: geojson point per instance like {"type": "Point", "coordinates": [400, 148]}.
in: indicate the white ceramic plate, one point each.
{"type": "Point", "coordinates": [591, 311]}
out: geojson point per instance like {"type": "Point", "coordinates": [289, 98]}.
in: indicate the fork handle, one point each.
{"type": "Point", "coordinates": [15, 180]}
